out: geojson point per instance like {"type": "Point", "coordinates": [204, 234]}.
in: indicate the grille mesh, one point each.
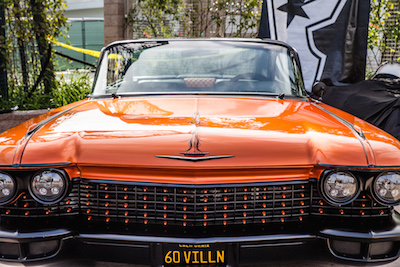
{"type": "Point", "coordinates": [26, 207]}
{"type": "Point", "coordinates": [195, 206]}
{"type": "Point", "coordinates": [363, 206]}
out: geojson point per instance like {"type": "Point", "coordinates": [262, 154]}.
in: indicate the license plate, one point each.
{"type": "Point", "coordinates": [193, 254]}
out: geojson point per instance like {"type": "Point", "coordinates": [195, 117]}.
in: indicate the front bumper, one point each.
{"type": "Point", "coordinates": [372, 242]}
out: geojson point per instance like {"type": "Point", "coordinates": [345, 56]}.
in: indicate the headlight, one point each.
{"type": "Point", "coordinates": [48, 186]}
{"type": "Point", "coordinates": [340, 188]}
{"type": "Point", "coordinates": [387, 188]}
{"type": "Point", "coordinates": [7, 188]}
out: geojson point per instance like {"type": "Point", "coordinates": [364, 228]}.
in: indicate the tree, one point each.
{"type": "Point", "coordinates": [195, 18]}
{"type": "Point", "coordinates": [31, 25]}
{"type": "Point", "coordinates": [384, 31]}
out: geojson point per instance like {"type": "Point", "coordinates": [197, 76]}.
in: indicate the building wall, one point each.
{"type": "Point", "coordinates": [84, 9]}
{"type": "Point", "coordinates": [114, 20]}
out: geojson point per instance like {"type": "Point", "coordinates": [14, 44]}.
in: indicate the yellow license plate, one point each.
{"type": "Point", "coordinates": [193, 254]}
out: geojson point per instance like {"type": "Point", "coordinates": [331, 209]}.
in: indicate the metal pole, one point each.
{"type": "Point", "coordinates": [84, 38]}
{"type": "Point", "coordinates": [3, 69]}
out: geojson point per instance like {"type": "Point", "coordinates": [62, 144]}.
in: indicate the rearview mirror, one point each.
{"type": "Point", "coordinates": [318, 90]}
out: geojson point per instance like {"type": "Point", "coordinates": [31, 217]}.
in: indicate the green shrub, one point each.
{"type": "Point", "coordinates": [69, 87]}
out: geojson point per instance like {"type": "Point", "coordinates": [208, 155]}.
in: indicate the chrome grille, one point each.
{"type": "Point", "coordinates": [194, 206]}
{"type": "Point", "coordinates": [26, 207]}
{"type": "Point", "coordinates": [363, 206]}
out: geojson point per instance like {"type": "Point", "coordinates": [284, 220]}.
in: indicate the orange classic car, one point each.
{"type": "Point", "coordinates": [189, 151]}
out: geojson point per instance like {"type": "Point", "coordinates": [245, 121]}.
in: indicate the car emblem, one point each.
{"type": "Point", "coordinates": [193, 153]}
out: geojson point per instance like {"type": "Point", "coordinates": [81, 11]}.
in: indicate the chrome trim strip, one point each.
{"type": "Point", "coordinates": [116, 244]}
{"type": "Point", "coordinates": [56, 164]}
{"type": "Point", "coordinates": [159, 239]}
{"type": "Point", "coordinates": [360, 136]}
{"type": "Point", "coordinates": [392, 234]}
{"type": "Point", "coordinates": [43, 122]}
{"type": "Point", "coordinates": [194, 159]}
{"type": "Point", "coordinates": [30, 133]}
{"type": "Point", "coordinates": [292, 182]}
{"type": "Point", "coordinates": [273, 245]}
{"type": "Point", "coordinates": [358, 167]}
{"type": "Point", "coordinates": [18, 237]}
{"type": "Point", "coordinates": [255, 95]}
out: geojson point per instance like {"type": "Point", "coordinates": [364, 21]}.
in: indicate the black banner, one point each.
{"type": "Point", "coordinates": [330, 36]}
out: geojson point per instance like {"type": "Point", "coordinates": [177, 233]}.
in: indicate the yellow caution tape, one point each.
{"type": "Point", "coordinates": [77, 49]}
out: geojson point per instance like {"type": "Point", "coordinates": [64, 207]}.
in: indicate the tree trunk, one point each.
{"type": "Point", "coordinates": [39, 18]}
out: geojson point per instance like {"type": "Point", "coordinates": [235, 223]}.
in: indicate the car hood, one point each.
{"type": "Point", "coordinates": [207, 133]}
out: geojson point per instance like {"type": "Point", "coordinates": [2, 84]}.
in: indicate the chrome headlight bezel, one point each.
{"type": "Point", "coordinates": [10, 191]}
{"type": "Point", "coordinates": [57, 191]}
{"type": "Point", "coordinates": [342, 199]}
{"type": "Point", "coordinates": [376, 187]}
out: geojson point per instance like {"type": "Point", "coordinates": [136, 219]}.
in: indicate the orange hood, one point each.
{"type": "Point", "coordinates": [156, 133]}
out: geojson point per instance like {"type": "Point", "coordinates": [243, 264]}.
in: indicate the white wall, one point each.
{"type": "Point", "coordinates": [84, 9]}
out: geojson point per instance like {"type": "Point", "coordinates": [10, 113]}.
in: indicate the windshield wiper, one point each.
{"type": "Point", "coordinates": [114, 95]}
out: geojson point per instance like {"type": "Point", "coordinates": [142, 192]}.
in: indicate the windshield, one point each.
{"type": "Point", "coordinates": [198, 66]}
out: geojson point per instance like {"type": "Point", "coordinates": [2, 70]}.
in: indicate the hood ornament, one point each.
{"type": "Point", "coordinates": [194, 158]}
{"type": "Point", "coordinates": [193, 153]}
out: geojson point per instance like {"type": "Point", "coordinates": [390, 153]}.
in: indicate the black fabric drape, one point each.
{"type": "Point", "coordinates": [338, 40]}
{"type": "Point", "coordinates": [375, 101]}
